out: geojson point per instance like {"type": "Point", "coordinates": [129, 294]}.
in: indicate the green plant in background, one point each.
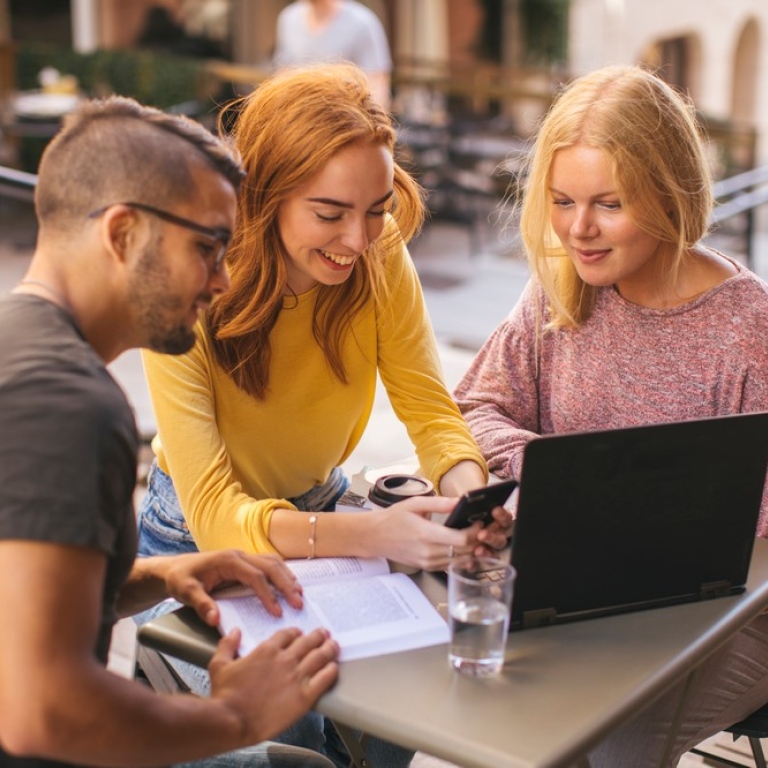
{"type": "Point", "coordinates": [156, 79]}
{"type": "Point", "coordinates": [161, 80]}
{"type": "Point", "coordinates": [544, 27]}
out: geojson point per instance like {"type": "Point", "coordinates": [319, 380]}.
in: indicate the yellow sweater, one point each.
{"type": "Point", "coordinates": [234, 459]}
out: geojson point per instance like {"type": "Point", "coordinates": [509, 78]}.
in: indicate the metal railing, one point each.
{"type": "Point", "coordinates": [742, 194]}
{"type": "Point", "coordinates": [19, 185]}
{"type": "Point", "coordinates": [736, 195]}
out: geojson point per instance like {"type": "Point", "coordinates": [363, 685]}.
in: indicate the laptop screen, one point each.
{"type": "Point", "coordinates": [639, 517]}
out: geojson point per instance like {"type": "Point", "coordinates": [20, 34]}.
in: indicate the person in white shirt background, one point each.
{"type": "Point", "coordinates": [335, 30]}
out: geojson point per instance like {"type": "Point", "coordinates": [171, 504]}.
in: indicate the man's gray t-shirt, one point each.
{"type": "Point", "coordinates": [68, 448]}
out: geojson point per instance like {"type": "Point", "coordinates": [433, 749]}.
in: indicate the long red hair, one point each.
{"type": "Point", "coordinates": [287, 130]}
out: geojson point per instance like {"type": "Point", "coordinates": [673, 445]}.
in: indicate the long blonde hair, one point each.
{"type": "Point", "coordinates": [286, 131]}
{"type": "Point", "coordinates": [660, 166]}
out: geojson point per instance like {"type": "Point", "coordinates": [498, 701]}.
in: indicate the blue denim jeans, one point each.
{"type": "Point", "coordinates": [268, 754]}
{"type": "Point", "coordinates": [163, 531]}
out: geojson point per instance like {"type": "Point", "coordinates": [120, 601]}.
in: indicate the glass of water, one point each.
{"type": "Point", "coordinates": [479, 600]}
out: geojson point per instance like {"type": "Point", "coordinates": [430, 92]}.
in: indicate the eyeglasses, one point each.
{"type": "Point", "coordinates": [219, 235]}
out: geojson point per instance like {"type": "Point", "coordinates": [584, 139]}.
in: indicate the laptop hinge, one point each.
{"type": "Point", "coordinates": [539, 618]}
{"type": "Point", "coordinates": [714, 589]}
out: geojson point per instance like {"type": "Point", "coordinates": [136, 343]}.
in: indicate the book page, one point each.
{"type": "Point", "coordinates": [320, 569]}
{"type": "Point", "coordinates": [367, 617]}
{"type": "Point", "coordinates": [337, 568]}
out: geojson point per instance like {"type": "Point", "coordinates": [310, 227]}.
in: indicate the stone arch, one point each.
{"type": "Point", "coordinates": [677, 60]}
{"type": "Point", "coordinates": [746, 56]}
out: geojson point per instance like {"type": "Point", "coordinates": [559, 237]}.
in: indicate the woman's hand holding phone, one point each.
{"type": "Point", "coordinates": [478, 505]}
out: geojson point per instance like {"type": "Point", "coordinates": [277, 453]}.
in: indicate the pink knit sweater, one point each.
{"type": "Point", "coordinates": [626, 365]}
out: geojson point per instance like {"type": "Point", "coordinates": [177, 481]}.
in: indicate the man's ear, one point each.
{"type": "Point", "coordinates": [120, 231]}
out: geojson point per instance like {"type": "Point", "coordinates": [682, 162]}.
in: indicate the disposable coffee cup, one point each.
{"type": "Point", "coordinates": [479, 602]}
{"type": "Point", "coordinates": [389, 489]}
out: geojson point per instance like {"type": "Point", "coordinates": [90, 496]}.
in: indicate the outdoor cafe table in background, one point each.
{"type": "Point", "coordinates": [33, 116]}
{"type": "Point", "coordinates": [561, 690]}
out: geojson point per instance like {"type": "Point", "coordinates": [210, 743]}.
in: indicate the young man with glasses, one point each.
{"type": "Point", "coordinates": [108, 275]}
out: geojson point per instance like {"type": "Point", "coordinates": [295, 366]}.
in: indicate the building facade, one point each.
{"type": "Point", "coordinates": [715, 49]}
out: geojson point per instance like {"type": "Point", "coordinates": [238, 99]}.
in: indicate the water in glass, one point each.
{"type": "Point", "coordinates": [479, 628]}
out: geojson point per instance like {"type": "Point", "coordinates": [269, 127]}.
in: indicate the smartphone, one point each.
{"type": "Point", "coordinates": [478, 504]}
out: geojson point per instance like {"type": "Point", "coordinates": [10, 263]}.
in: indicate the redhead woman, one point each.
{"type": "Point", "coordinates": [255, 422]}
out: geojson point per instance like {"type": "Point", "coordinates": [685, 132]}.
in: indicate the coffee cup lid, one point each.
{"type": "Point", "coordinates": [390, 489]}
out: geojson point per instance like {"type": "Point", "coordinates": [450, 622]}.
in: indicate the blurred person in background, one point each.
{"type": "Point", "coordinates": [336, 30]}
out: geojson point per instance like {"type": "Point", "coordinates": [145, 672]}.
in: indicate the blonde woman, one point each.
{"type": "Point", "coordinates": [628, 319]}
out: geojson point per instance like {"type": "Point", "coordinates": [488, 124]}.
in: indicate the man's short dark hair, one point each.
{"type": "Point", "coordinates": [115, 149]}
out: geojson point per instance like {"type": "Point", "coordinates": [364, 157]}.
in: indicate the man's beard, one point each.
{"type": "Point", "coordinates": [158, 311]}
{"type": "Point", "coordinates": [176, 341]}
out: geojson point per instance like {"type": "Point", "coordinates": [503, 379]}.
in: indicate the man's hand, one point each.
{"type": "Point", "coordinates": [105, 719]}
{"type": "Point", "coordinates": [190, 578]}
{"type": "Point", "coordinates": [275, 684]}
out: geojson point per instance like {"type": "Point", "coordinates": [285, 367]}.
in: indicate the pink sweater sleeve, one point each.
{"type": "Point", "coordinates": [498, 395]}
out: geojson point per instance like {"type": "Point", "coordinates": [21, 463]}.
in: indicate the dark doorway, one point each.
{"type": "Point", "coordinates": [45, 21]}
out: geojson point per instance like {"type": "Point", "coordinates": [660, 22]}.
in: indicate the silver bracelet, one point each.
{"type": "Point", "coordinates": [312, 539]}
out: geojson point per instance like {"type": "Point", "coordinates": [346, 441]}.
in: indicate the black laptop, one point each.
{"type": "Point", "coordinates": [640, 517]}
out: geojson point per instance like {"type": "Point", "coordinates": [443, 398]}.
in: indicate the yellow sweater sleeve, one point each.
{"type": "Point", "coordinates": [219, 513]}
{"type": "Point", "coordinates": [410, 369]}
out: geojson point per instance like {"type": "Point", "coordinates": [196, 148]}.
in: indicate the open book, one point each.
{"type": "Point", "coordinates": [368, 610]}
